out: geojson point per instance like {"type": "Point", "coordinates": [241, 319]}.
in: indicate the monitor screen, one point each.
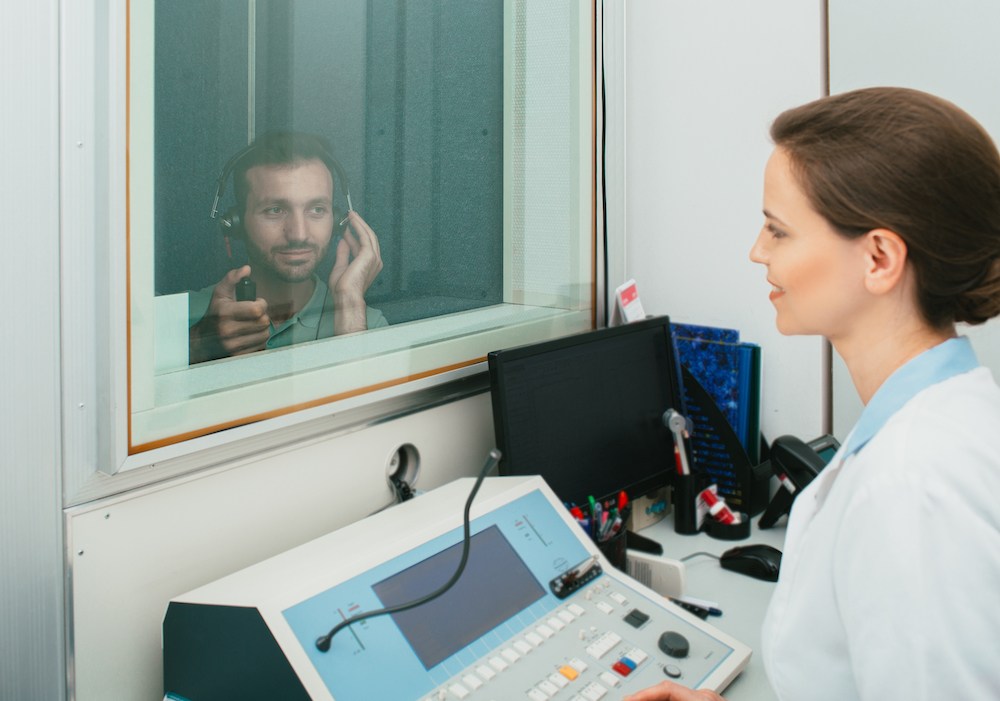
{"type": "Point", "coordinates": [586, 411]}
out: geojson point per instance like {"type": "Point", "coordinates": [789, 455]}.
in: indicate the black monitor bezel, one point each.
{"type": "Point", "coordinates": [498, 359]}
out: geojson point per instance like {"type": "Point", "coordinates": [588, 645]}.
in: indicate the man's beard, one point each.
{"type": "Point", "coordinates": [269, 263]}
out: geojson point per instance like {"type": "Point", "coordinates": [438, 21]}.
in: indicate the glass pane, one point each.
{"type": "Point", "coordinates": [457, 133]}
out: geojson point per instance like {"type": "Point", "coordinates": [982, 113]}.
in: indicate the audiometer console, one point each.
{"type": "Point", "coordinates": [538, 614]}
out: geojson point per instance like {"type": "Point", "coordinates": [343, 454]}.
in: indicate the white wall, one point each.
{"type": "Point", "coordinates": [704, 80]}
{"type": "Point", "coordinates": [31, 584]}
{"type": "Point", "coordinates": [946, 49]}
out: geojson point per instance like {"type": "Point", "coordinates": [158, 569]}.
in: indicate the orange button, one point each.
{"type": "Point", "coordinates": [568, 672]}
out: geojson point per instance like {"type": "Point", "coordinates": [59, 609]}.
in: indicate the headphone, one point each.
{"type": "Point", "coordinates": [231, 222]}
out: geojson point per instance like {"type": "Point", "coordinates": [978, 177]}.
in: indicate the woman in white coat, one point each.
{"type": "Point", "coordinates": [881, 232]}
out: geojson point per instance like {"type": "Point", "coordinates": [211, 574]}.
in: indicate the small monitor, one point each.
{"type": "Point", "coordinates": [586, 411]}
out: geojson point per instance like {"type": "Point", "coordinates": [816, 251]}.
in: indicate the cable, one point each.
{"type": "Point", "coordinates": [604, 176]}
{"type": "Point", "coordinates": [323, 642]}
{"type": "Point", "coordinates": [694, 555]}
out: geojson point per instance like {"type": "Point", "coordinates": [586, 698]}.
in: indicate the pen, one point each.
{"type": "Point", "coordinates": [710, 606]}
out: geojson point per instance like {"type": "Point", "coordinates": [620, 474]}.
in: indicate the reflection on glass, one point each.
{"type": "Point", "coordinates": [410, 97]}
{"type": "Point", "coordinates": [284, 184]}
{"type": "Point", "coordinates": [431, 198]}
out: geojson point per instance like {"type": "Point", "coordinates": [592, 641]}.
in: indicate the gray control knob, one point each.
{"type": "Point", "coordinates": [674, 644]}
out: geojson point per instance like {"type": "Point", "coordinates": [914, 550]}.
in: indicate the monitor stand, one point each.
{"type": "Point", "coordinates": [642, 543]}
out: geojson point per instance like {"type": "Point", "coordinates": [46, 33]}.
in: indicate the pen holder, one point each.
{"type": "Point", "coordinates": [685, 509]}
{"type": "Point", "coordinates": [613, 548]}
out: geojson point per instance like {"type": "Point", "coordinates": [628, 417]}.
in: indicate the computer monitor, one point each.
{"type": "Point", "coordinates": [586, 411]}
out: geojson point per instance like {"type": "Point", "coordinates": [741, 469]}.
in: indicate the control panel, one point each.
{"type": "Point", "coordinates": [537, 613]}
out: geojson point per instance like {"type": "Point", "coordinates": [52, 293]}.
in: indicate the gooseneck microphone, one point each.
{"type": "Point", "coordinates": [324, 641]}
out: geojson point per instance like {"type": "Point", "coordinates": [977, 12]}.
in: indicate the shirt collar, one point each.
{"type": "Point", "coordinates": [309, 315]}
{"type": "Point", "coordinates": [953, 357]}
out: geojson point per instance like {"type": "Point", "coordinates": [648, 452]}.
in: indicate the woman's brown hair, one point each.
{"type": "Point", "coordinates": [915, 164]}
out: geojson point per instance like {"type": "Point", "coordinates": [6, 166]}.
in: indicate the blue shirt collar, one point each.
{"type": "Point", "coordinates": [953, 357]}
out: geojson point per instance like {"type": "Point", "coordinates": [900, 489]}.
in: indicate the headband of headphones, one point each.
{"type": "Point", "coordinates": [231, 221]}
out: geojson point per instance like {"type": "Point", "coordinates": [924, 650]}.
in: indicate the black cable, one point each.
{"type": "Point", "coordinates": [604, 176]}
{"type": "Point", "coordinates": [697, 554]}
{"type": "Point", "coordinates": [323, 642]}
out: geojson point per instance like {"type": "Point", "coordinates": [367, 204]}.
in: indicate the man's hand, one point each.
{"type": "Point", "coordinates": [358, 262]}
{"type": "Point", "coordinates": [668, 691]}
{"type": "Point", "coordinates": [229, 327]}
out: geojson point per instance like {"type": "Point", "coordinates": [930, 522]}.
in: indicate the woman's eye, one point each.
{"type": "Point", "coordinates": [776, 232]}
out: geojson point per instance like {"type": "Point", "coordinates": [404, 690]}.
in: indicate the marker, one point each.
{"type": "Point", "coordinates": [718, 508]}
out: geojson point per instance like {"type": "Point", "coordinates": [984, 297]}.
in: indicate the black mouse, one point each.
{"type": "Point", "coordinates": [760, 561]}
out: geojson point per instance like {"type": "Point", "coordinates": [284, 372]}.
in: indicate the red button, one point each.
{"type": "Point", "coordinates": [622, 668]}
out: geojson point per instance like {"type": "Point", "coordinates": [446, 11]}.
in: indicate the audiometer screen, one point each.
{"type": "Point", "coordinates": [495, 585]}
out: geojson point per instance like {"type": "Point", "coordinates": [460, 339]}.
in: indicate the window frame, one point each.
{"type": "Point", "coordinates": [99, 199]}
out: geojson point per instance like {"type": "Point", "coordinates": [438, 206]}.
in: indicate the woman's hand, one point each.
{"type": "Point", "coordinates": [669, 691]}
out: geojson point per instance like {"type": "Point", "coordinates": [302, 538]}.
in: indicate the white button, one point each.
{"type": "Point", "coordinates": [638, 656]}
{"type": "Point", "coordinates": [485, 672]}
{"type": "Point", "coordinates": [559, 680]}
{"type": "Point", "coordinates": [597, 651]}
{"type": "Point", "coordinates": [534, 638]}
{"type": "Point", "coordinates": [605, 607]}
{"type": "Point", "coordinates": [578, 664]}
{"type": "Point", "coordinates": [577, 609]}
{"type": "Point", "coordinates": [555, 623]}
{"type": "Point", "coordinates": [498, 664]}
{"type": "Point", "coordinates": [545, 631]}
{"type": "Point", "coordinates": [609, 679]}
{"type": "Point", "coordinates": [594, 691]}
{"type": "Point", "coordinates": [548, 687]}
{"type": "Point", "coordinates": [472, 681]}
{"type": "Point", "coordinates": [458, 690]}
{"type": "Point", "coordinates": [522, 647]}
{"type": "Point", "coordinates": [566, 616]}
{"type": "Point", "coordinates": [510, 655]}
{"type": "Point", "coordinates": [618, 597]}
{"type": "Point", "coordinates": [537, 695]}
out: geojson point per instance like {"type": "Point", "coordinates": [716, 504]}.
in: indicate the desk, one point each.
{"type": "Point", "coordinates": [743, 599]}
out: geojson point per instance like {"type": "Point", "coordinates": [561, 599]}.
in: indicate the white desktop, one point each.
{"type": "Point", "coordinates": [742, 599]}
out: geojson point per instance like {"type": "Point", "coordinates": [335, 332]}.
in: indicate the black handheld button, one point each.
{"type": "Point", "coordinates": [674, 644]}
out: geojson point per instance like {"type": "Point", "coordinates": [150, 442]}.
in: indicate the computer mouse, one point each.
{"type": "Point", "coordinates": [760, 561]}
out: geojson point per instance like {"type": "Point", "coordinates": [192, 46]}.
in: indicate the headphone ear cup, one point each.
{"type": "Point", "coordinates": [230, 224]}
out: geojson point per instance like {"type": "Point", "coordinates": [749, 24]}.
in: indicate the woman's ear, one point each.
{"type": "Point", "coordinates": [885, 257]}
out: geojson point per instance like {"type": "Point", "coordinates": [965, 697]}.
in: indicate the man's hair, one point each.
{"type": "Point", "coordinates": [280, 148]}
{"type": "Point", "coordinates": [914, 164]}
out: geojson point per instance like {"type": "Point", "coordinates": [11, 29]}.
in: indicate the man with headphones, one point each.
{"type": "Point", "coordinates": [284, 213]}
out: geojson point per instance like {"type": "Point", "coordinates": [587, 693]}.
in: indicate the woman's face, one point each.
{"type": "Point", "coordinates": [817, 275]}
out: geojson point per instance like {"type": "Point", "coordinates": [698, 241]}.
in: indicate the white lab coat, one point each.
{"type": "Point", "coordinates": [890, 578]}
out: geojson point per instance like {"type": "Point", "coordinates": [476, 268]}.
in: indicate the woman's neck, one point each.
{"type": "Point", "coordinates": [872, 356]}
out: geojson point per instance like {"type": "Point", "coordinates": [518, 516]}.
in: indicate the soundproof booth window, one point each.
{"type": "Point", "coordinates": [331, 197]}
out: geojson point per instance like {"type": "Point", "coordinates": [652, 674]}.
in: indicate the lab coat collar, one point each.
{"type": "Point", "coordinates": [953, 357]}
